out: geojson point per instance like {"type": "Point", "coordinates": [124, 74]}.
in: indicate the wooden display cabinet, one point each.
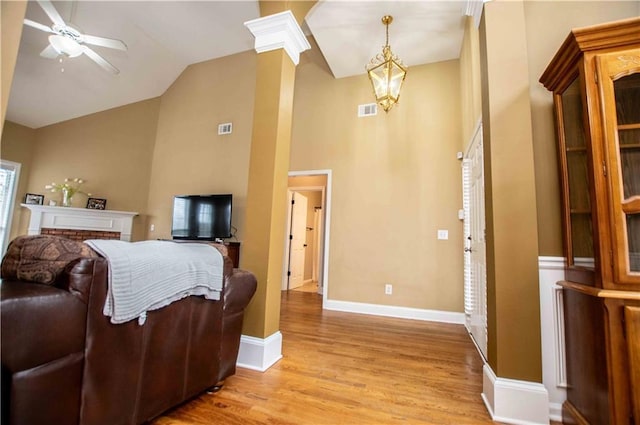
{"type": "Point", "coordinates": [595, 80]}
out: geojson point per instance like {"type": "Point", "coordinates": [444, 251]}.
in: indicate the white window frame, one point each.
{"type": "Point", "coordinates": [6, 215]}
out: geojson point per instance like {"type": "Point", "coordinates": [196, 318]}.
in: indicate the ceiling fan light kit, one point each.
{"type": "Point", "coordinates": [71, 43]}
{"type": "Point", "coordinates": [386, 73]}
{"type": "Point", "coordinates": [66, 46]}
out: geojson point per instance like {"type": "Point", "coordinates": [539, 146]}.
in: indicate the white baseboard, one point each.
{"type": "Point", "coordinates": [393, 311]}
{"type": "Point", "coordinates": [259, 354]}
{"type": "Point", "coordinates": [555, 412]}
{"type": "Point", "coordinates": [515, 402]}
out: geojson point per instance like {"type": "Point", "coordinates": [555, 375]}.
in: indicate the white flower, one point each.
{"type": "Point", "coordinates": [70, 185]}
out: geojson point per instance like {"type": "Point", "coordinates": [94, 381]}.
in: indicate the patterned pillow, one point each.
{"type": "Point", "coordinates": [41, 258]}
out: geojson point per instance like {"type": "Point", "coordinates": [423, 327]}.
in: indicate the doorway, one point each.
{"type": "Point", "coordinates": [307, 230]}
{"type": "Point", "coordinates": [475, 275]}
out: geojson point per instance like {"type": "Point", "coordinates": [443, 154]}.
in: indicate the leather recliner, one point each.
{"type": "Point", "coordinates": [64, 362]}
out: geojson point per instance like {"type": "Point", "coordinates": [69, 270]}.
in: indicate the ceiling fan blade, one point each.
{"type": "Point", "coordinates": [38, 26]}
{"type": "Point", "coordinates": [100, 60]}
{"type": "Point", "coordinates": [111, 43]}
{"type": "Point", "coordinates": [51, 12]}
{"type": "Point", "coordinates": [49, 52]}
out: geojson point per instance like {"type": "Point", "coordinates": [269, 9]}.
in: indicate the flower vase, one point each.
{"type": "Point", "coordinates": [67, 198]}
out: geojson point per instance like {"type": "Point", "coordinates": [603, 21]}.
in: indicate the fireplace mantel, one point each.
{"type": "Point", "coordinates": [44, 216]}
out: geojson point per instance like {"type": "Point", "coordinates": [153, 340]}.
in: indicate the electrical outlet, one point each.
{"type": "Point", "coordinates": [152, 227]}
{"type": "Point", "coordinates": [443, 235]}
{"type": "Point", "coordinates": [388, 289]}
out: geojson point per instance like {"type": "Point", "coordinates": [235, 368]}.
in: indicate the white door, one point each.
{"type": "Point", "coordinates": [474, 252]}
{"type": "Point", "coordinates": [298, 240]}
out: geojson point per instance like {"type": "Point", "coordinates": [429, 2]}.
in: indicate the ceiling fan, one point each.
{"type": "Point", "coordinates": [69, 42]}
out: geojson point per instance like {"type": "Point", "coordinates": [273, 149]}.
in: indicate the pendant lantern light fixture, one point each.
{"type": "Point", "coordinates": [386, 72]}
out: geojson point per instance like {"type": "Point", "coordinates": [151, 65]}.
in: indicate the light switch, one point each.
{"type": "Point", "coordinates": [443, 234]}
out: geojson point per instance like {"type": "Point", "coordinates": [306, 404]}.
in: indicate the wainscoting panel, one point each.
{"type": "Point", "coordinates": [551, 270]}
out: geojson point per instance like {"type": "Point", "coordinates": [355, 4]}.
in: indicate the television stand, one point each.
{"type": "Point", "coordinates": [233, 249]}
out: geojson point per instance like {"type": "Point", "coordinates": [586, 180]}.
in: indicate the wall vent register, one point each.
{"type": "Point", "coordinates": [367, 110]}
{"type": "Point", "coordinates": [226, 128]}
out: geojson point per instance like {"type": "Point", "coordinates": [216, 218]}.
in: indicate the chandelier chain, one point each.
{"type": "Point", "coordinates": [386, 72]}
{"type": "Point", "coordinates": [387, 26]}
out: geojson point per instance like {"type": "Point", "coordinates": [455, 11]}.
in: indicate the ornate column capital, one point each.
{"type": "Point", "coordinates": [279, 31]}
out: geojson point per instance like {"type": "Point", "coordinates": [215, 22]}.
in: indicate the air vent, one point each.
{"type": "Point", "coordinates": [367, 110]}
{"type": "Point", "coordinates": [225, 128]}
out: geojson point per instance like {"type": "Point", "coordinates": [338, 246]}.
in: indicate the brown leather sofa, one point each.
{"type": "Point", "coordinates": [63, 362]}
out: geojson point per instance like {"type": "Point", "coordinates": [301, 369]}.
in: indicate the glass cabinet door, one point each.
{"type": "Point", "coordinates": [574, 164]}
{"type": "Point", "coordinates": [620, 79]}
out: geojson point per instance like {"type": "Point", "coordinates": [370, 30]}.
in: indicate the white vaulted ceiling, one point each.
{"type": "Point", "coordinates": [164, 37]}
{"type": "Point", "coordinates": [350, 33]}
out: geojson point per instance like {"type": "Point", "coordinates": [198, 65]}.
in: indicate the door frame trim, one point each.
{"type": "Point", "coordinates": [324, 284]}
{"type": "Point", "coordinates": [476, 129]}
{"type": "Point", "coordinates": [476, 137]}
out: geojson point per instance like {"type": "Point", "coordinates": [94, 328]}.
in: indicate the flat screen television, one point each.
{"type": "Point", "coordinates": [201, 217]}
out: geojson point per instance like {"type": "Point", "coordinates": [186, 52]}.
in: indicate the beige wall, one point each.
{"type": "Point", "coordinates": [11, 16]}
{"type": "Point", "coordinates": [189, 156]}
{"type": "Point", "coordinates": [513, 310]}
{"type": "Point", "coordinates": [396, 181]}
{"type": "Point", "coordinates": [547, 26]}
{"type": "Point", "coordinates": [471, 97]}
{"type": "Point", "coordinates": [111, 150]}
{"type": "Point", "coordinates": [18, 145]}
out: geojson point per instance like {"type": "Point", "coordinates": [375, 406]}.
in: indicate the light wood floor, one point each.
{"type": "Point", "coordinates": [307, 287]}
{"type": "Point", "coordinates": [341, 368]}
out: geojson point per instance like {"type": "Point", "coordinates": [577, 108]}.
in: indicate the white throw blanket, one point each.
{"type": "Point", "coordinates": [149, 275]}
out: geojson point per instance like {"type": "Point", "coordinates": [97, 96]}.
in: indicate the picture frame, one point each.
{"type": "Point", "coordinates": [33, 199]}
{"type": "Point", "coordinates": [96, 203]}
